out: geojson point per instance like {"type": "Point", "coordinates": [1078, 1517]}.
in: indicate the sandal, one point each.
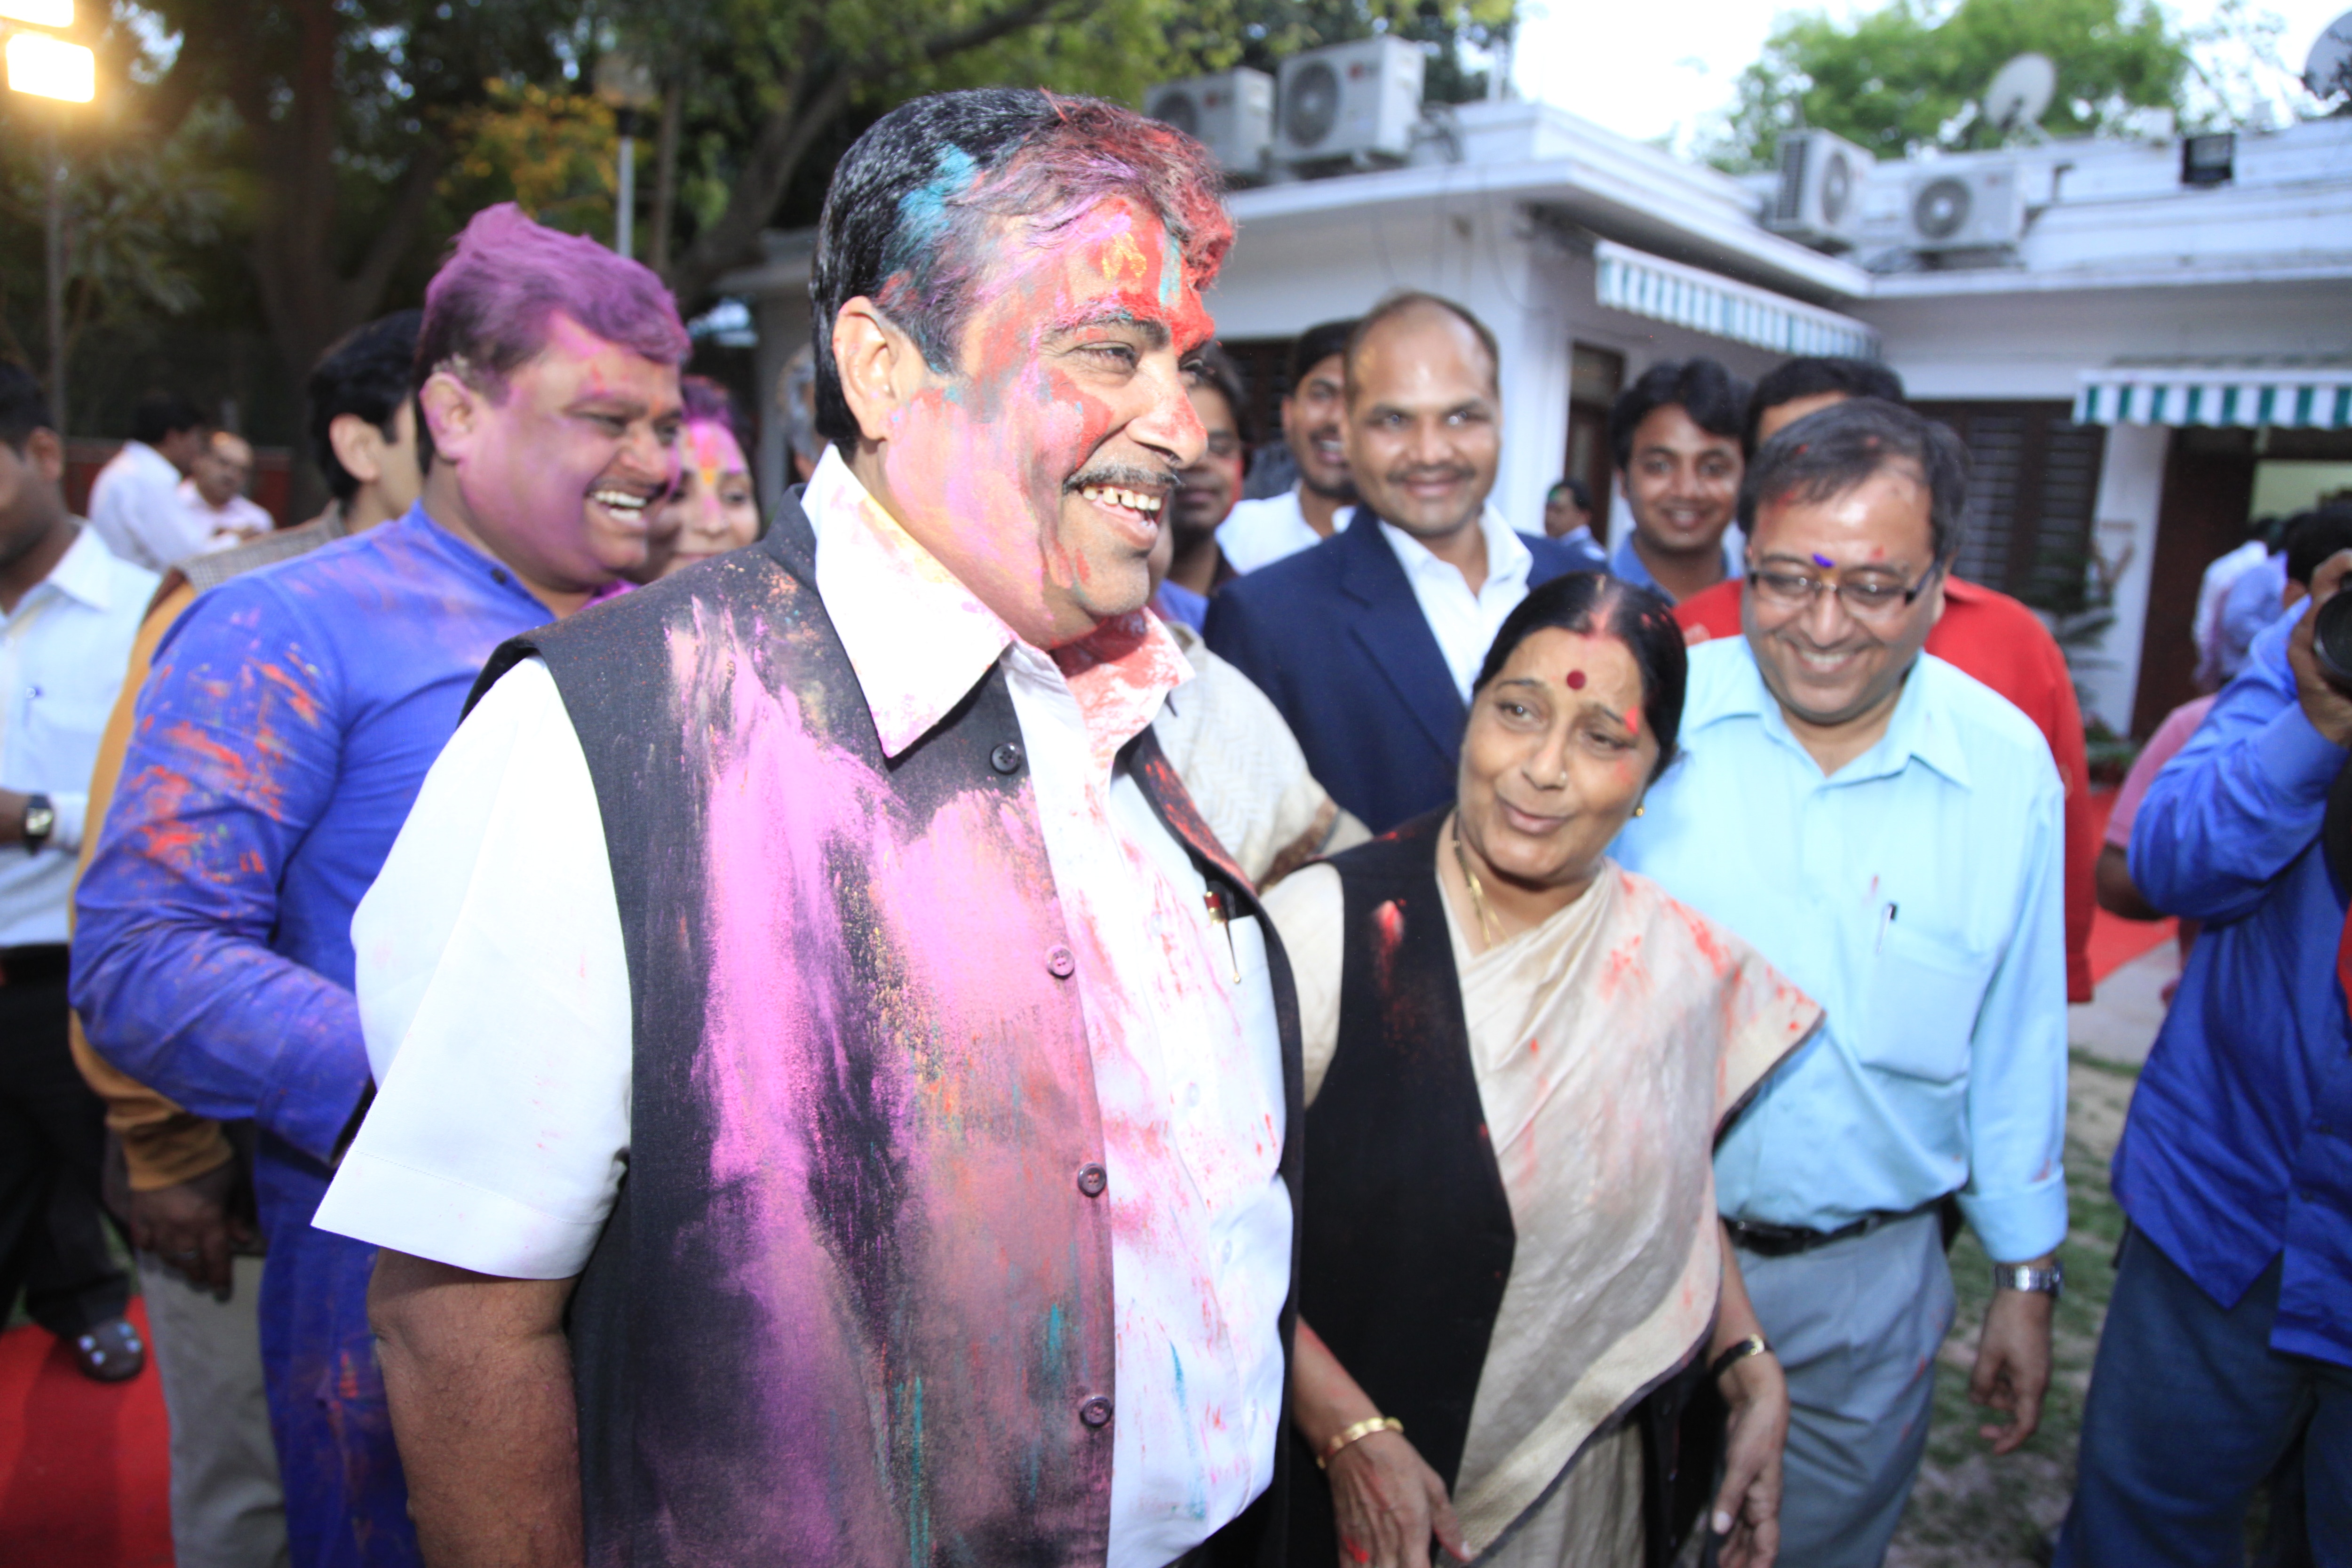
{"type": "Point", "coordinates": [110, 1352]}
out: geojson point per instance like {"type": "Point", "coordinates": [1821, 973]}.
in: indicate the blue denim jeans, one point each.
{"type": "Point", "coordinates": [2190, 1411]}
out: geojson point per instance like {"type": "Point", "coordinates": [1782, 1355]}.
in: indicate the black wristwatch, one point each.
{"type": "Point", "coordinates": [40, 821]}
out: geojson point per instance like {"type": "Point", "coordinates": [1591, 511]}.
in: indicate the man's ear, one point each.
{"type": "Point", "coordinates": [46, 454]}
{"type": "Point", "coordinates": [880, 368]}
{"type": "Point", "coordinates": [453, 412]}
{"type": "Point", "coordinates": [358, 445]}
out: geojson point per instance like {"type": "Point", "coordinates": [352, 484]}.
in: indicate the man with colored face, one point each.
{"type": "Point", "coordinates": [1314, 427]}
{"type": "Point", "coordinates": [837, 892]}
{"type": "Point", "coordinates": [1887, 832]}
{"type": "Point", "coordinates": [1675, 437]}
{"type": "Point", "coordinates": [287, 725]}
{"type": "Point", "coordinates": [1368, 642]}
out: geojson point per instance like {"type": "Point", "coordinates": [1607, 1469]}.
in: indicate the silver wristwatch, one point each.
{"type": "Point", "coordinates": [2050, 1281]}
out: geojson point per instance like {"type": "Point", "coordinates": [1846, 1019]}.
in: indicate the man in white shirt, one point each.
{"type": "Point", "coordinates": [1314, 416]}
{"type": "Point", "coordinates": [835, 892]}
{"type": "Point", "coordinates": [69, 610]}
{"type": "Point", "coordinates": [219, 512]}
{"type": "Point", "coordinates": [134, 502]}
{"type": "Point", "coordinates": [1368, 642]}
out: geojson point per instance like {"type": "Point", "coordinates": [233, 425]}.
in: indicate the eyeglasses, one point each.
{"type": "Point", "coordinates": [1864, 598]}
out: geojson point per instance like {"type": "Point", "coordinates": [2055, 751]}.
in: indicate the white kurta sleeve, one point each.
{"type": "Point", "coordinates": [494, 996]}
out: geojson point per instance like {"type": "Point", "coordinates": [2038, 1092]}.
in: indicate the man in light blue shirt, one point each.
{"type": "Point", "coordinates": [1888, 831]}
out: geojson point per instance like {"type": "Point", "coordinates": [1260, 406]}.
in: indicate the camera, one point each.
{"type": "Point", "coordinates": [2331, 638]}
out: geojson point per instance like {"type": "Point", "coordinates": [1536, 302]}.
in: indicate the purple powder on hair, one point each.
{"type": "Point", "coordinates": [506, 275]}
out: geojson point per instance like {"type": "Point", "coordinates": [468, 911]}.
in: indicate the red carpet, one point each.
{"type": "Point", "coordinates": [85, 1468]}
{"type": "Point", "coordinates": [2115, 941]}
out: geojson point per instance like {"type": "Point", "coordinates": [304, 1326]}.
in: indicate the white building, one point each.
{"type": "Point", "coordinates": [2201, 335]}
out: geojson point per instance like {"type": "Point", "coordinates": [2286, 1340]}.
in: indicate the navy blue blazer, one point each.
{"type": "Point", "coordinates": [1334, 635]}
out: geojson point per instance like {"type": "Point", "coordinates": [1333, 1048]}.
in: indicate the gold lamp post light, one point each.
{"type": "Point", "coordinates": [43, 65]}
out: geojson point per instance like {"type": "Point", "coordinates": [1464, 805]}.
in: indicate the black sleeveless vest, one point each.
{"type": "Point", "coordinates": [854, 1304]}
{"type": "Point", "coordinates": [1408, 1244]}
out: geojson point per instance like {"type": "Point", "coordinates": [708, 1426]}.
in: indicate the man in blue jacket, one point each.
{"type": "Point", "coordinates": [1368, 642]}
{"type": "Point", "coordinates": [2228, 1336]}
{"type": "Point", "coordinates": [287, 725]}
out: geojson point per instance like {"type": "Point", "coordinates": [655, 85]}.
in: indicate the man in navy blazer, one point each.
{"type": "Point", "coordinates": [1370, 641]}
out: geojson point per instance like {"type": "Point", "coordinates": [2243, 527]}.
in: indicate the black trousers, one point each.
{"type": "Point", "coordinates": [52, 1147]}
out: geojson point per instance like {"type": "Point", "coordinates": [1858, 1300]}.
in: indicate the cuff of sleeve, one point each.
{"type": "Point", "coordinates": [73, 811]}
{"type": "Point", "coordinates": [376, 1200]}
{"type": "Point", "coordinates": [164, 1154]}
{"type": "Point", "coordinates": [314, 1115]}
{"type": "Point", "coordinates": [2016, 1226]}
{"type": "Point", "coordinates": [2300, 761]}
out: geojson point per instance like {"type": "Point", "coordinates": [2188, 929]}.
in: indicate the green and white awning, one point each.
{"type": "Point", "coordinates": [2291, 397]}
{"type": "Point", "coordinates": [1646, 285]}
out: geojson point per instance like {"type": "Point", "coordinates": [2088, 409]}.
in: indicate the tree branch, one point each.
{"type": "Point", "coordinates": [786, 135]}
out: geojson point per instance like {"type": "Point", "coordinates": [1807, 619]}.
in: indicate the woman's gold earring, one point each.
{"type": "Point", "coordinates": [1639, 809]}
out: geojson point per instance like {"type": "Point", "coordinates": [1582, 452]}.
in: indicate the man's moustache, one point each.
{"type": "Point", "coordinates": [1120, 476]}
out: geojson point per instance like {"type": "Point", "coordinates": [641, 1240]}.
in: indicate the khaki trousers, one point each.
{"type": "Point", "coordinates": [227, 1507]}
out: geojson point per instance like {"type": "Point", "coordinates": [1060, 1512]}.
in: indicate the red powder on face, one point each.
{"type": "Point", "coordinates": [1576, 680]}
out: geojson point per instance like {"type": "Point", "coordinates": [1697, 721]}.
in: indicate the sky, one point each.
{"type": "Point", "coordinates": [1660, 69]}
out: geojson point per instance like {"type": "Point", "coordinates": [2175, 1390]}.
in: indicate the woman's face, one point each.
{"type": "Point", "coordinates": [1556, 758]}
{"type": "Point", "coordinates": [712, 508]}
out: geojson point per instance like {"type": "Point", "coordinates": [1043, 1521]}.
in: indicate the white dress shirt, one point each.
{"type": "Point", "coordinates": [220, 527]}
{"type": "Point", "coordinates": [1257, 532]}
{"type": "Point", "coordinates": [494, 994]}
{"type": "Point", "coordinates": [135, 506]}
{"type": "Point", "coordinates": [63, 653]}
{"type": "Point", "coordinates": [1464, 623]}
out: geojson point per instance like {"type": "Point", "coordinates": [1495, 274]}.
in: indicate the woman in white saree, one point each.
{"type": "Point", "coordinates": [1517, 1059]}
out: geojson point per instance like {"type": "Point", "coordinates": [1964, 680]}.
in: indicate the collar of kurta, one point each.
{"type": "Point", "coordinates": [919, 640]}
{"type": "Point", "coordinates": [1920, 728]}
{"type": "Point", "coordinates": [84, 571]}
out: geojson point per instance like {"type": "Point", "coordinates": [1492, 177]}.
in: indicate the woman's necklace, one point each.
{"type": "Point", "coordinates": [1489, 930]}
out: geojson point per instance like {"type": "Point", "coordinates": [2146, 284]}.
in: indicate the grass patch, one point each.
{"type": "Point", "coordinates": [1969, 1509]}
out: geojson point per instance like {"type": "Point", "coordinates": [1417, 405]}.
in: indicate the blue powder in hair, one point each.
{"type": "Point", "coordinates": [923, 211]}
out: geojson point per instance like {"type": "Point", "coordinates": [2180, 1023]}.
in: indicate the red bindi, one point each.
{"type": "Point", "coordinates": [1576, 680]}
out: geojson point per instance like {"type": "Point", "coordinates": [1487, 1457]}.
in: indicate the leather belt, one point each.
{"type": "Point", "coordinates": [1787, 1240]}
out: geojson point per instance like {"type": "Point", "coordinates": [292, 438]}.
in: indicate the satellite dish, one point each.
{"type": "Point", "coordinates": [2021, 90]}
{"type": "Point", "coordinates": [2327, 70]}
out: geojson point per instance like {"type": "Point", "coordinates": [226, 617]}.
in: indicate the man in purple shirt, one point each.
{"type": "Point", "coordinates": [281, 739]}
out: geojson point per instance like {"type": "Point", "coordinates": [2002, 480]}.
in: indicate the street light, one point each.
{"type": "Point", "coordinates": [627, 84]}
{"type": "Point", "coordinates": [45, 67]}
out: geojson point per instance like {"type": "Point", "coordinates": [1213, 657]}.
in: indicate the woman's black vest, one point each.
{"type": "Point", "coordinates": [854, 1303]}
{"type": "Point", "coordinates": [1408, 1235]}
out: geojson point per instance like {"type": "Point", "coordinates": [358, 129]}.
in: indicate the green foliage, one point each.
{"type": "Point", "coordinates": [553, 153]}
{"type": "Point", "coordinates": [133, 218]}
{"type": "Point", "coordinates": [1906, 78]}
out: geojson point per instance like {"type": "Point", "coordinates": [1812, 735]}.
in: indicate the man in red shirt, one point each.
{"type": "Point", "coordinates": [1983, 632]}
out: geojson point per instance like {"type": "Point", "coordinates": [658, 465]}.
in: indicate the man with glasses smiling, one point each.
{"type": "Point", "coordinates": [1887, 832]}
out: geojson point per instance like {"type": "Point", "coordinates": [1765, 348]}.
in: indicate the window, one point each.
{"type": "Point", "coordinates": [2033, 486]}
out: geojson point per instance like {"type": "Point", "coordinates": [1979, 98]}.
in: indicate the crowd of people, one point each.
{"type": "Point", "coordinates": [1027, 1007]}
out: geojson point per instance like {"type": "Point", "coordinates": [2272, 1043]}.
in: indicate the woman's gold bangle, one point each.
{"type": "Point", "coordinates": [1356, 1433]}
{"type": "Point", "coordinates": [1754, 1344]}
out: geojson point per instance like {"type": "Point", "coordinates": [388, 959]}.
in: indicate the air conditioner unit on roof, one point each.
{"type": "Point", "coordinates": [1231, 114]}
{"type": "Point", "coordinates": [1966, 209]}
{"type": "Point", "coordinates": [1354, 101]}
{"type": "Point", "coordinates": [1818, 202]}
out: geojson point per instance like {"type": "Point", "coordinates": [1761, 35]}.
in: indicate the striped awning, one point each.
{"type": "Point", "coordinates": [2301, 397]}
{"type": "Point", "coordinates": [1646, 285]}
